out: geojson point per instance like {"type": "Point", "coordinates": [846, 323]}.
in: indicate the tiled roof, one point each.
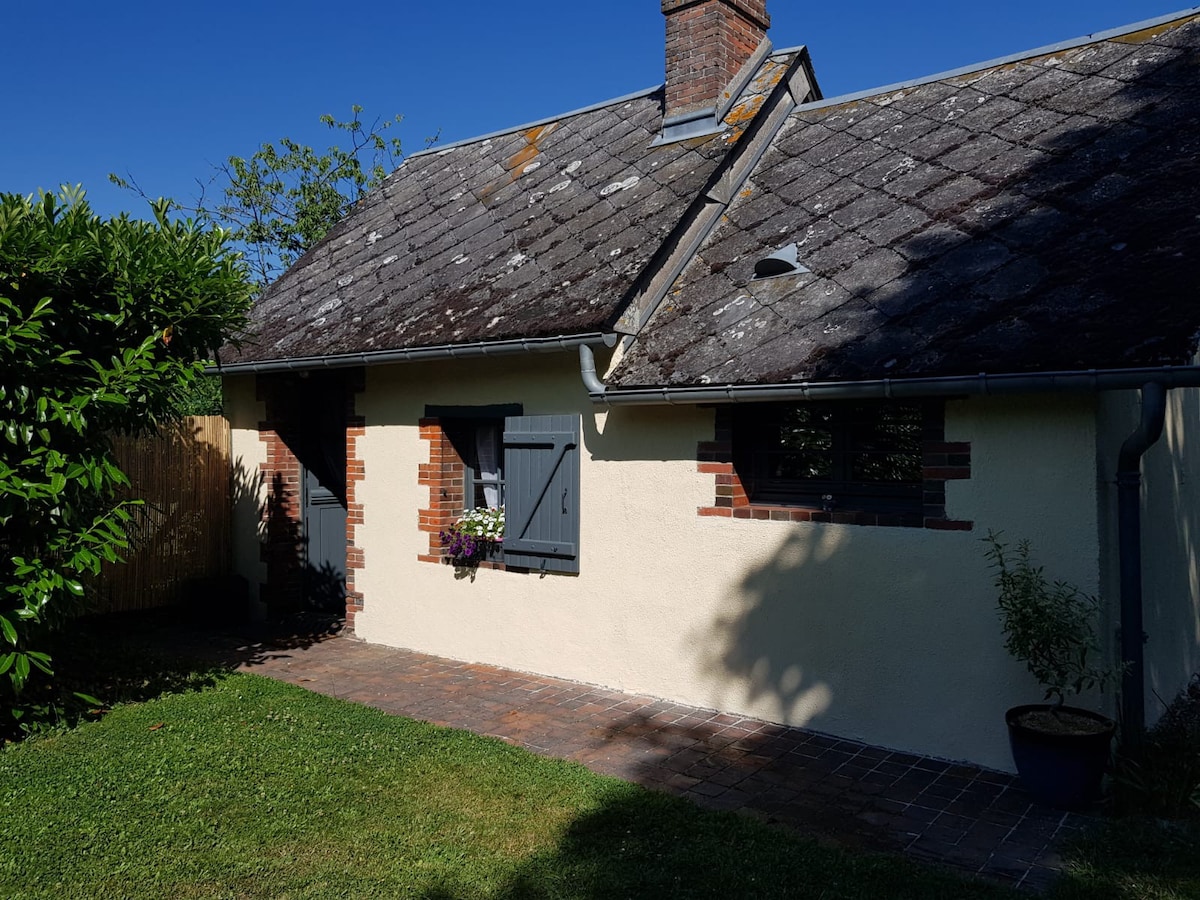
{"type": "Point", "coordinates": [1038, 215]}
{"type": "Point", "coordinates": [537, 232]}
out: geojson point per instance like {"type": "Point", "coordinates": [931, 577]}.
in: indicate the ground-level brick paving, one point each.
{"type": "Point", "coordinates": [854, 794]}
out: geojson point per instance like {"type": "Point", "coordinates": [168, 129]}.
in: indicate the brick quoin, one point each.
{"type": "Point", "coordinates": [708, 42]}
{"type": "Point", "coordinates": [282, 515]}
{"type": "Point", "coordinates": [356, 429]}
{"type": "Point", "coordinates": [444, 475]}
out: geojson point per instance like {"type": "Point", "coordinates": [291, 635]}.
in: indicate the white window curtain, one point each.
{"type": "Point", "coordinates": [487, 448]}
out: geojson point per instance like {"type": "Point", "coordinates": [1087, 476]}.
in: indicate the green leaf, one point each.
{"type": "Point", "coordinates": [9, 632]}
{"type": "Point", "coordinates": [20, 670]}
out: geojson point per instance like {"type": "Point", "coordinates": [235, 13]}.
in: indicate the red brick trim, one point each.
{"type": "Point", "coordinates": [941, 461]}
{"type": "Point", "coordinates": [356, 429]}
{"type": "Point", "coordinates": [281, 515]}
{"type": "Point", "coordinates": [283, 549]}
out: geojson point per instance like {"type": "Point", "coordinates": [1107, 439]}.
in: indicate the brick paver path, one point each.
{"type": "Point", "coordinates": [855, 794]}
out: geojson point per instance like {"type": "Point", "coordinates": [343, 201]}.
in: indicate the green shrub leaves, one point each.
{"type": "Point", "coordinates": [104, 325]}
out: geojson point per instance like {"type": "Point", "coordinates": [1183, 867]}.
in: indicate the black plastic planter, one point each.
{"type": "Point", "coordinates": [1062, 770]}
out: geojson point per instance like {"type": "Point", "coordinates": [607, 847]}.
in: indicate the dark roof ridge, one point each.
{"type": "Point", "coordinates": [1069, 44]}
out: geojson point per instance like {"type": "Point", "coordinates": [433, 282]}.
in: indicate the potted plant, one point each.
{"type": "Point", "coordinates": [475, 536]}
{"type": "Point", "coordinates": [1060, 751]}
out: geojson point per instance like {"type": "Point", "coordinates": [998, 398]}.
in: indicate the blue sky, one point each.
{"type": "Point", "coordinates": [162, 90]}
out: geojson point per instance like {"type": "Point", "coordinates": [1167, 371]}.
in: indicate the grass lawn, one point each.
{"type": "Point", "coordinates": [252, 788]}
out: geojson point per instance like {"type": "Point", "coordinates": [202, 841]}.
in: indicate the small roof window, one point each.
{"type": "Point", "coordinates": [784, 261]}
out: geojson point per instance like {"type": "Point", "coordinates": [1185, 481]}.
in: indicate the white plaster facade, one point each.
{"type": "Point", "coordinates": [883, 634]}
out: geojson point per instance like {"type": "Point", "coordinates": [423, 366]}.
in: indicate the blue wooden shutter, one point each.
{"type": "Point", "coordinates": [541, 506]}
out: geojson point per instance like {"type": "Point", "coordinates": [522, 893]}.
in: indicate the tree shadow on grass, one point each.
{"type": "Point", "coordinates": [639, 843]}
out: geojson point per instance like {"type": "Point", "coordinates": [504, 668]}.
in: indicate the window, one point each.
{"type": "Point", "coordinates": [494, 456]}
{"type": "Point", "coordinates": [479, 445]}
{"type": "Point", "coordinates": [860, 456]}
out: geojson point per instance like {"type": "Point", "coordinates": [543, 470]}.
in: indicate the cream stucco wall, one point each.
{"type": "Point", "coordinates": [1170, 537]}
{"type": "Point", "coordinates": [883, 634]}
{"type": "Point", "coordinates": [249, 455]}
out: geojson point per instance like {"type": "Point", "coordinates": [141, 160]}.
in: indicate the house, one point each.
{"type": "Point", "coordinates": [754, 371]}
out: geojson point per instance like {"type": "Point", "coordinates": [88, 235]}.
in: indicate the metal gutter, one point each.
{"type": "Point", "coordinates": [971, 69]}
{"type": "Point", "coordinates": [419, 354]}
{"type": "Point", "coordinates": [1086, 380]}
{"type": "Point", "coordinates": [1129, 550]}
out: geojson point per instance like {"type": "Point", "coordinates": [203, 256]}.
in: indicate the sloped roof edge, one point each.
{"type": "Point", "coordinates": [466, 142]}
{"type": "Point", "coordinates": [1069, 44]}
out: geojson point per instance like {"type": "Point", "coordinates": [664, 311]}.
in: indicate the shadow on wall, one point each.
{"type": "Point", "coordinates": [1172, 570]}
{"type": "Point", "coordinates": [834, 629]}
{"type": "Point", "coordinates": [625, 433]}
{"type": "Point", "coordinates": [871, 634]}
{"type": "Point", "coordinates": [786, 628]}
{"type": "Point", "coordinates": [180, 534]}
{"type": "Point", "coordinates": [294, 584]}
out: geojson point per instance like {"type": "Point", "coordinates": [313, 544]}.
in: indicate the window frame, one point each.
{"type": "Point", "coordinates": [464, 435]}
{"type": "Point", "coordinates": [756, 437]}
{"type": "Point", "coordinates": [543, 452]}
{"type": "Point", "coordinates": [942, 461]}
{"type": "Point", "coordinates": [460, 425]}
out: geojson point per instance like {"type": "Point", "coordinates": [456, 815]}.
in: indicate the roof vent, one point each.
{"type": "Point", "coordinates": [784, 261]}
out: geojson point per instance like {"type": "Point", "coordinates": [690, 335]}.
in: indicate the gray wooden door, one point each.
{"type": "Point", "coordinates": [325, 542]}
{"type": "Point", "coordinates": [324, 462]}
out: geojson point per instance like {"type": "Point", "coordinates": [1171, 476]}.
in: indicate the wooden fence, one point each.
{"type": "Point", "coordinates": [183, 530]}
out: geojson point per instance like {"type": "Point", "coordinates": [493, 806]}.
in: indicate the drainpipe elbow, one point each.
{"type": "Point", "coordinates": [1149, 430]}
{"type": "Point", "coordinates": [587, 371]}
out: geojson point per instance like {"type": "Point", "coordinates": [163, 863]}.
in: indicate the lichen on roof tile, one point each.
{"type": "Point", "coordinates": [1037, 215]}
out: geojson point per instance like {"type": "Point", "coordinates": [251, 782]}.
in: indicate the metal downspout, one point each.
{"type": "Point", "coordinates": [1129, 549]}
{"type": "Point", "coordinates": [587, 371]}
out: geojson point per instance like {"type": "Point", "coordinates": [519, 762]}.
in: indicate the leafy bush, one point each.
{"type": "Point", "coordinates": [1049, 626]}
{"type": "Point", "coordinates": [1164, 781]}
{"type": "Point", "coordinates": [104, 326]}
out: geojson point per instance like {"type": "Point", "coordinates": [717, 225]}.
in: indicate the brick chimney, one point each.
{"type": "Point", "coordinates": [708, 42]}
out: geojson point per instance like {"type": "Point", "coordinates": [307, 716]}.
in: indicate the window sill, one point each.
{"type": "Point", "coordinates": [766, 512]}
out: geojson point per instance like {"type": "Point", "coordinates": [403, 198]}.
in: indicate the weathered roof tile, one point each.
{"type": "Point", "coordinates": [586, 193]}
{"type": "Point", "coordinates": [1051, 226]}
